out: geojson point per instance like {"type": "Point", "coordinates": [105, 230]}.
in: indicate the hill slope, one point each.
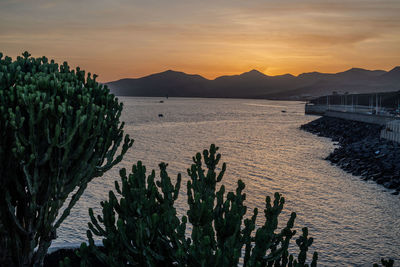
{"type": "Point", "coordinates": [254, 84]}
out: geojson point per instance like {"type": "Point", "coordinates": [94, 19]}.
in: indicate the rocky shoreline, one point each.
{"type": "Point", "coordinates": [361, 152]}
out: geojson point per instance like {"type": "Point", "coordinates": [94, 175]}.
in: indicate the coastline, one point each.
{"type": "Point", "coordinates": [360, 150]}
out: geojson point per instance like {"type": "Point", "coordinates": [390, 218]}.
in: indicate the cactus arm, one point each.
{"type": "Point", "coordinates": [74, 199]}
{"type": "Point", "coordinates": [12, 216]}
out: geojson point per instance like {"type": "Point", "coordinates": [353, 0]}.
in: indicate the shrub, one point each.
{"type": "Point", "coordinates": [143, 229]}
{"type": "Point", "coordinates": [59, 129]}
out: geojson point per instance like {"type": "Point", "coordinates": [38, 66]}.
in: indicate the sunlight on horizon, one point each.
{"type": "Point", "coordinates": [120, 39]}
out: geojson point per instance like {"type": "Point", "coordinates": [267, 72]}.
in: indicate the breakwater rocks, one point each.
{"type": "Point", "coordinates": [361, 151]}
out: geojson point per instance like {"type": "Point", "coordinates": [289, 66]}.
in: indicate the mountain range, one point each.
{"type": "Point", "coordinates": [254, 84]}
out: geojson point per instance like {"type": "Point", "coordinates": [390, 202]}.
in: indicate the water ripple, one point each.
{"type": "Point", "coordinates": [354, 223]}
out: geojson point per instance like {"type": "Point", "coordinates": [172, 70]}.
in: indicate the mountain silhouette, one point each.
{"type": "Point", "coordinates": [393, 75]}
{"type": "Point", "coordinates": [172, 83]}
{"type": "Point", "coordinates": [254, 84]}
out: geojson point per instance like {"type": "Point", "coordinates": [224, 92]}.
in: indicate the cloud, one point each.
{"type": "Point", "coordinates": [208, 35]}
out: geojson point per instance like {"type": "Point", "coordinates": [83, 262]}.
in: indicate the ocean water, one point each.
{"type": "Point", "coordinates": [353, 222]}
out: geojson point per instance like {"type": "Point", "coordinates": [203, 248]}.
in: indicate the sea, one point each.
{"type": "Point", "coordinates": [353, 222]}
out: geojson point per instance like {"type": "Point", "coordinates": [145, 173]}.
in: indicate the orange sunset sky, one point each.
{"type": "Point", "coordinates": [130, 38]}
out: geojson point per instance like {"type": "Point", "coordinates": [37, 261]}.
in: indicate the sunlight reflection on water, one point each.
{"type": "Point", "coordinates": [353, 222]}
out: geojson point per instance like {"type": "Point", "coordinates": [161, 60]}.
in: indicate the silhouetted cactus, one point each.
{"type": "Point", "coordinates": [142, 227]}
{"type": "Point", "coordinates": [59, 129]}
{"type": "Point", "coordinates": [385, 263]}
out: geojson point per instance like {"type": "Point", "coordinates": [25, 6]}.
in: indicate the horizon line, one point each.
{"type": "Point", "coordinates": [252, 70]}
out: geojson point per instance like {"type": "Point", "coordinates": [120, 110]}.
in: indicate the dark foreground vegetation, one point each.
{"type": "Point", "coordinates": [361, 151]}
{"type": "Point", "coordinates": [59, 129]}
{"type": "Point", "coordinates": [142, 227]}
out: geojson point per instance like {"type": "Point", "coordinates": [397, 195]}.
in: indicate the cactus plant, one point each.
{"type": "Point", "coordinates": [142, 228]}
{"type": "Point", "coordinates": [59, 129]}
{"type": "Point", "coordinates": [385, 263]}
{"type": "Point", "coordinates": [146, 231]}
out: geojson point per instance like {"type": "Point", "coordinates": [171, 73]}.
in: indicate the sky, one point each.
{"type": "Point", "coordinates": [133, 38]}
